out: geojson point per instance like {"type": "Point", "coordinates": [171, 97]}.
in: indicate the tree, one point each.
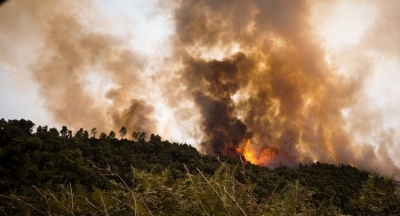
{"type": "Point", "coordinates": [26, 126]}
{"type": "Point", "coordinates": [93, 132]}
{"type": "Point", "coordinates": [64, 131]}
{"type": "Point", "coordinates": [123, 132]}
{"type": "Point", "coordinates": [135, 135]}
{"type": "Point", "coordinates": [111, 135]}
{"type": "Point", "coordinates": [53, 132]}
{"type": "Point", "coordinates": [155, 138]}
{"type": "Point", "coordinates": [79, 133]}
{"type": "Point", "coordinates": [103, 135]}
{"type": "Point", "coordinates": [39, 129]}
{"type": "Point", "coordinates": [45, 128]}
{"type": "Point", "coordinates": [85, 134]}
{"type": "Point", "coordinates": [139, 136]}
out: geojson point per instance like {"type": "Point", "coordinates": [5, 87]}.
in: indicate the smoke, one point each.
{"type": "Point", "coordinates": [278, 90]}
{"type": "Point", "coordinates": [234, 70]}
{"type": "Point", "coordinates": [72, 51]}
{"type": "Point", "coordinates": [269, 81]}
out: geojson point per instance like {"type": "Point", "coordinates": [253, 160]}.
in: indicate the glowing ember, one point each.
{"type": "Point", "coordinates": [263, 158]}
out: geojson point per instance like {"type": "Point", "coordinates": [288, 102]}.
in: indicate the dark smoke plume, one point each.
{"type": "Point", "coordinates": [288, 96]}
{"type": "Point", "coordinates": [212, 84]}
{"type": "Point", "coordinates": [277, 90]}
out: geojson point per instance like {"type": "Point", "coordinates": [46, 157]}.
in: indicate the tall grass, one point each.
{"type": "Point", "coordinates": [160, 194]}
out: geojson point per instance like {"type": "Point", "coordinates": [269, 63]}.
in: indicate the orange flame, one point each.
{"type": "Point", "coordinates": [262, 158]}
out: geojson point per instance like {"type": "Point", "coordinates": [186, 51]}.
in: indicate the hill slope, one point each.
{"type": "Point", "coordinates": [51, 171]}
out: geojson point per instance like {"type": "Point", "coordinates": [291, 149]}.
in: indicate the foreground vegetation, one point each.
{"type": "Point", "coordinates": [52, 172]}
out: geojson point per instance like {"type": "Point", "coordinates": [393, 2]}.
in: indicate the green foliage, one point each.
{"type": "Point", "coordinates": [139, 136]}
{"type": "Point", "coordinates": [93, 132]}
{"type": "Point", "coordinates": [123, 132]}
{"type": "Point", "coordinates": [64, 131]}
{"type": "Point", "coordinates": [111, 135]}
{"type": "Point", "coordinates": [378, 196]}
{"type": "Point", "coordinates": [52, 173]}
{"type": "Point", "coordinates": [79, 133]}
{"type": "Point", "coordinates": [103, 135]}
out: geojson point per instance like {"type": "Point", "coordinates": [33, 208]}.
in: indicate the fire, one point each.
{"type": "Point", "coordinates": [263, 158]}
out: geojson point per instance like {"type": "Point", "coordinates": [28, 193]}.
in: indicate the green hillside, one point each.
{"type": "Point", "coordinates": [46, 171]}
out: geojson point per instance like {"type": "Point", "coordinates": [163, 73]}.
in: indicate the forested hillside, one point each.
{"type": "Point", "coordinates": [46, 171]}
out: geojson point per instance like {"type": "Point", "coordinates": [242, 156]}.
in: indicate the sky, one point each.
{"type": "Point", "coordinates": [357, 39]}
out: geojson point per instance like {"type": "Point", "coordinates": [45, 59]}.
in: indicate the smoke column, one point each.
{"type": "Point", "coordinates": [277, 90]}
{"type": "Point", "coordinates": [235, 71]}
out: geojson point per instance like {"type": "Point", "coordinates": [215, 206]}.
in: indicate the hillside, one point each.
{"type": "Point", "coordinates": [48, 171]}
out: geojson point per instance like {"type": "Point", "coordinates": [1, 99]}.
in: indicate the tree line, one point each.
{"type": "Point", "coordinates": [48, 171]}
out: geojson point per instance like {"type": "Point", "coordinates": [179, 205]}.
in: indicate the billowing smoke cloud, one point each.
{"type": "Point", "coordinates": [71, 51]}
{"type": "Point", "coordinates": [237, 71]}
{"type": "Point", "coordinates": [278, 90]}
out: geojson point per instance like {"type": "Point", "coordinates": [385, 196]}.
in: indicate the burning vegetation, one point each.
{"type": "Point", "coordinates": [263, 158]}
